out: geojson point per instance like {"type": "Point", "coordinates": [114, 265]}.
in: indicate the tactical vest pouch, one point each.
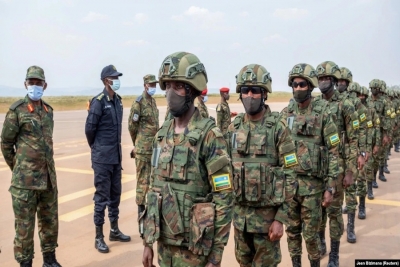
{"type": "Point", "coordinates": [152, 218]}
{"type": "Point", "coordinates": [278, 187]}
{"type": "Point", "coordinates": [238, 173]}
{"type": "Point", "coordinates": [170, 211]}
{"type": "Point", "coordinates": [324, 164]}
{"type": "Point", "coordinates": [254, 179]}
{"type": "Point", "coordinates": [304, 158]}
{"type": "Point", "coordinates": [241, 144]}
{"type": "Point", "coordinates": [257, 144]}
{"type": "Point", "coordinates": [155, 156]}
{"type": "Point", "coordinates": [180, 157]}
{"type": "Point", "coordinates": [202, 228]}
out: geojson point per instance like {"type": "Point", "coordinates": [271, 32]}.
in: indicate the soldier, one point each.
{"type": "Point", "coordinates": [189, 203]}
{"type": "Point", "coordinates": [397, 135]}
{"type": "Point", "coordinates": [143, 125]}
{"type": "Point", "coordinates": [346, 119]}
{"type": "Point", "coordinates": [103, 133]}
{"type": "Point", "coordinates": [27, 147]}
{"type": "Point", "coordinates": [263, 154]}
{"type": "Point", "coordinates": [201, 106]}
{"type": "Point", "coordinates": [223, 111]}
{"type": "Point", "coordinates": [316, 138]}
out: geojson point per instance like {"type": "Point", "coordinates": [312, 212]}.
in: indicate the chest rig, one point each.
{"type": "Point", "coordinates": [258, 181]}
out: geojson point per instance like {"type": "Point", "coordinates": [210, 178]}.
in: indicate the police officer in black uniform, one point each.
{"type": "Point", "coordinates": [103, 133]}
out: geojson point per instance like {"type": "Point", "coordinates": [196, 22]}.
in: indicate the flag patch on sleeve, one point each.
{"type": "Point", "coordinates": [221, 182]}
{"type": "Point", "coordinates": [334, 139]}
{"type": "Point", "coordinates": [369, 124]}
{"type": "Point", "coordinates": [363, 117]}
{"type": "Point", "coordinates": [290, 160]}
{"type": "Point", "coordinates": [135, 117]}
{"type": "Point", "coordinates": [356, 124]}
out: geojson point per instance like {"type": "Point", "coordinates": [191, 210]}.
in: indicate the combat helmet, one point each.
{"type": "Point", "coordinates": [346, 74]}
{"type": "Point", "coordinates": [354, 87]}
{"type": "Point", "coordinates": [254, 75]}
{"type": "Point", "coordinates": [183, 67]}
{"type": "Point", "coordinates": [329, 68]}
{"type": "Point", "coordinates": [383, 87]}
{"type": "Point", "coordinates": [364, 90]}
{"type": "Point", "coordinates": [375, 83]}
{"type": "Point", "coordinates": [305, 71]}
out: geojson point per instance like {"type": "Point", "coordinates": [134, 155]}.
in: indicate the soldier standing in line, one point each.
{"type": "Point", "coordinates": [397, 110]}
{"type": "Point", "coordinates": [27, 147]}
{"type": "Point", "coordinates": [223, 112]}
{"type": "Point", "coordinates": [317, 139]}
{"type": "Point", "coordinates": [346, 119]}
{"type": "Point", "coordinates": [189, 203]}
{"type": "Point", "coordinates": [143, 125]}
{"type": "Point", "coordinates": [263, 157]}
{"type": "Point", "coordinates": [386, 95]}
{"type": "Point", "coordinates": [103, 133]}
{"type": "Point", "coordinates": [202, 99]}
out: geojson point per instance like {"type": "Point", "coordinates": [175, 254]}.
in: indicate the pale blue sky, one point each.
{"type": "Point", "coordinates": [74, 39]}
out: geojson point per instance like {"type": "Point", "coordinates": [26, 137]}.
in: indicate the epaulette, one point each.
{"type": "Point", "coordinates": [120, 97]}
{"type": "Point", "coordinates": [47, 104]}
{"type": "Point", "coordinates": [17, 104]}
{"type": "Point", "coordinates": [100, 96]}
{"type": "Point", "coordinates": [139, 98]}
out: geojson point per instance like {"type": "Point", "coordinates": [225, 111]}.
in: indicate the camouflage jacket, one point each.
{"type": "Point", "coordinates": [384, 112]}
{"type": "Point", "coordinates": [373, 125]}
{"type": "Point", "coordinates": [316, 138]}
{"type": "Point", "coordinates": [168, 115]}
{"type": "Point", "coordinates": [143, 123]}
{"type": "Point", "coordinates": [346, 119]}
{"type": "Point", "coordinates": [258, 151]}
{"type": "Point", "coordinates": [194, 165]}
{"type": "Point", "coordinates": [203, 109]}
{"type": "Point", "coordinates": [27, 145]}
{"type": "Point", "coordinates": [223, 116]}
{"type": "Point", "coordinates": [364, 144]}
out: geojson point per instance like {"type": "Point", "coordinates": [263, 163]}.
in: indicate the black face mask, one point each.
{"type": "Point", "coordinates": [326, 86]}
{"type": "Point", "coordinates": [363, 100]}
{"type": "Point", "coordinates": [301, 95]}
{"type": "Point", "coordinates": [178, 105]}
{"type": "Point", "coordinates": [253, 106]}
{"type": "Point", "coordinates": [342, 87]}
{"type": "Point", "coordinates": [374, 91]}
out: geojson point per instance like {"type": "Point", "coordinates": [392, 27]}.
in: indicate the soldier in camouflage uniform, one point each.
{"type": "Point", "coordinates": [316, 138]}
{"type": "Point", "coordinates": [143, 125]}
{"type": "Point", "coordinates": [27, 147]}
{"type": "Point", "coordinates": [387, 96]}
{"type": "Point", "coordinates": [393, 116]}
{"type": "Point", "coordinates": [397, 110]}
{"type": "Point", "coordinates": [346, 119]}
{"type": "Point", "coordinates": [202, 99]}
{"type": "Point", "coordinates": [263, 155]}
{"type": "Point", "coordinates": [223, 112]}
{"type": "Point", "coordinates": [189, 203]}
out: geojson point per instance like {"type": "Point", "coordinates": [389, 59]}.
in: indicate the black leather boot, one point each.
{"type": "Point", "coordinates": [26, 264]}
{"type": "Point", "coordinates": [344, 210]}
{"type": "Point", "coordinates": [370, 191]}
{"type": "Point", "coordinates": [49, 259]}
{"type": "Point", "coordinates": [389, 151]}
{"type": "Point", "coordinates": [397, 146]}
{"type": "Point", "coordinates": [381, 174]}
{"type": "Point", "coordinates": [99, 243]}
{"type": "Point", "coordinates": [385, 168]}
{"type": "Point", "coordinates": [296, 261]}
{"type": "Point", "coordinates": [116, 234]}
{"type": "Point", "coordinates": [314, 263]}
{"type": "Point", "coordinates": [322, 249]}
{"type": "Point", "coordinates": [351, 235]}
{"type": "Point", "coordinates": [361, 209]}
{"type": "Point", "coordinates": [334, 254]}
{"type": "Point", "coordinates": [374, 183]}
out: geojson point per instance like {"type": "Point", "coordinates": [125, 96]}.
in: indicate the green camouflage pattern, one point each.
{"type": "Point", "coordinates": [254, 75]}
{"type": "Point", "coordinates": [346, 74]}
{"type": "Point", "coordinates": [27, 145]}
{"type": "Point", "coordinates": [203, 109]}
{"type": "Point", "coordinates": [375, 83]}
{"type": "Point", "coordinates": [168, 115]}
{"type": "Point", "coordinates": [334, 212]}
{"type": "Point", "coordinates": [223, 116]}
{"type": "Point", "coordinates": [143, 172]}
{"type": "Point", "coordinates": [149, 78]}
{"type": "Point", "coordinates": [35, 72]}
{"type": "Point", "coordinates": [177, 256]}
{"type": "Point", "coordinates": [329, 68]}
{"type": "Point", "coordinates": [305, 71]}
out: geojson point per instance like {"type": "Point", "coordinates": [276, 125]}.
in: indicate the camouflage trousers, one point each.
{"type": "Point", "coordinates": [304, 218]}
{"type": "Point", "coordinates": [352, 191]}
{"type": "Point", "coordinates": [175, 256]}
{"type": "Point", "coordinates": [26, 205]}
{"type": "Point", "coordinates": [253, 249]}
{"type": "Point", "coordinates": [143, 172]}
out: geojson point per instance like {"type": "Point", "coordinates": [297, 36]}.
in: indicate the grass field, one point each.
{"type": "Point", "coordinates": [80, 102]}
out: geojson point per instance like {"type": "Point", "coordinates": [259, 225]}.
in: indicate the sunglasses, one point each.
{"type": "Point", "coordinates": [301, 84]}
{"type": "Point", "coordinates": [254, 90]}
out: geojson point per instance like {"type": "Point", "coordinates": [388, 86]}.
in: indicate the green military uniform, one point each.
{"type": "Point", "coordinates": [189, 207]}
{"type": "Point", "coordinates": [263, 155]}
{"type": "Point", "coordinates": [203, 109]}
{"type": "Point", "coordinates": [27, 147]}
{"type": "Point", "coordinates": [397, 111]}
{"type": "Point", "coordinates": [316, 139]}
{"type": "Point", "coordinates": [143, 125]}
{"type": "Point", "coordinates": [168, 115]}
{"type": "Point", "coordinates": [223, 116]}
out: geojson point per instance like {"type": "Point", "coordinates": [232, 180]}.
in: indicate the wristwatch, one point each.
{"type": "Point", "coordinates": [362, 154]}
{"type": "Point", "coordinates": [330, 190]}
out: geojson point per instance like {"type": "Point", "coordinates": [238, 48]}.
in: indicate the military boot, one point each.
{"type": "Point", "coordinates": [397, 146]}
{"type": "Point", "coordinates": [322, 249]}
{"type": "Point", "coordinates": [381, 174]}
{"type": "Point", "coordinates": [370, 191]}
{"type": "Point", "coordinates": [99, 243]}
{"type": "Point", "coordinates": [385, 168]}
{"type": "Point", "coordinates": [351, 235]}
{"type": "Point", "coordinates": [116, 234]}
{"type": "Point", "coordinates": [361, 209]}
{"type": "Point", "coordinates": [49, 259]}
{"type": "Point", "coordinates": [296, 261]}
{"type": "Point", "coordinates": [314, 263]}
{"type": "Point", "coordinates": [334, 254]}
{"type": "Point", "coordinates": [374, 183]}
{"type": "Point", "coordinates": [26, 264]}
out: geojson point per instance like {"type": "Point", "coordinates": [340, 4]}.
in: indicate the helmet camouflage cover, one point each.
{"type": "Point", "coordinates": [183, 67]}
{"type": "Point", "coordinates": [329, 68]}
{"type": "Point", "coordinates": [375, 83]}
{"type": "Point", "coordinates": [305, 71]}
{"type": "Point", "coordinates": [383, 86]}
{"type": "Point", "coordinates": [364, 90]}
{"type": "Point", "coordinates": [354, 87]}
{"type": "Point", "coordinates": [346, 74]}
{"type": "Point", "coordinates": [254, 75]}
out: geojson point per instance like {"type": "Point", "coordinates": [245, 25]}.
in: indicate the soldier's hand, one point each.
{"type": "Point", "coordinates": [233, 114]}
{"type": "Point", "coordinates": [133, 153]}
{"type": "Point", "coordinates": [147, 259]}
{"type": "Point", "coordinates": [275, 231]}
{"type": "Point", "coordinates": [367, 155]}
{"type": "Point", "coordinates": [348, 180]}
{"type": "Point", "coordinates": [375, 150]}
{"type": "Point", "coordinates": [328, 198]}
{"type": "Point", "coordinates": [360, 162]}
{"type": "Point", "coordinates": [385, 140]}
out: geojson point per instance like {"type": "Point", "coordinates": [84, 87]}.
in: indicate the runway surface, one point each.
{"type": "Point", "coordinates": [377, 236]}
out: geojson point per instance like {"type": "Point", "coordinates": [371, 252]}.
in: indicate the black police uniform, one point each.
{"type": "Point", "coordinates": [103, 133]}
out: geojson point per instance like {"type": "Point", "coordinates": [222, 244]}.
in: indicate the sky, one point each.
{"type": "Point", "coordinates": [72, 40]}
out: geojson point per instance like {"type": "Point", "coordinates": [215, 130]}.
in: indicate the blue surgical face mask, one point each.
{"type": "Point", "coordinates": [151, 91]}
{"type": "Point", "coordinates": [35, 92]}
{"type": "Point", "coordinates": [116, 84]}
{"type": "Point", "coordinates": [205, 98]}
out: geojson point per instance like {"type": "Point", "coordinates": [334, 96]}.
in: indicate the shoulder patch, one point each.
{"type": "Point", "coordinates": [135, 117]}
{"type": "Point", "coordinates": [100, 97]}
{"type": "Point", "coordinates": [334, 139]}
{"type": "Point", "coordinates": [217, 132]}
{"type": "Point", "coordinates": [356, 124]}
{"type": "Point", "coordinates": [221, 182]}
{"type": "Point", "coordinates": [290, 160]}
{"type": "Point", "coordinates": [17, 104]}
{"type": "Point", "coordinates": [139, 98]}
{"type": "Point", "coordinates": [218, 109]}
{"type": "Point", "coordinates": [363, 117]}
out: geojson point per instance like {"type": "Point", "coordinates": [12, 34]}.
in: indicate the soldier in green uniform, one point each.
{"type": "Point", "coordinates": [346, 119]}
{"type": "Point", "coordinates": [143, 125]}
{"type": "Point", "coordinates": [263, 155]}
{"type": "Point", "coordinates": [397, 111]}
{"type": "Point", "coordinates": [223, 111]}
{"type": "Point", "coordinates": [386, 94]}
{"type": "Point", "coordinates": [189, 203]}
{"type": "Point", "coordinates": [316, 138]}
{"type": "Point", "coordinates": [27, 147]}
{"type": "Point", "coordinates": [202, 99]}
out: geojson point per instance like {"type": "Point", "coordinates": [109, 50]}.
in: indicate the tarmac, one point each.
{"type": "Point", "coordinates": [377, 235]}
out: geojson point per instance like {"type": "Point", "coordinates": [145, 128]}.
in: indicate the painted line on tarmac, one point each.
{"type": "Point", "coordinates": [72, 156]}
{"type": "Point", "coordinates": [87, 210]}
{"type": "Point", "coordinates": [383, 202]}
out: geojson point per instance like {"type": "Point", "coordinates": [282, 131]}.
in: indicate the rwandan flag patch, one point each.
{"type": "Point", "coordinates": [356, 124]}
{"type": "Point", "coordinates": [334, 139]}
{"type": "Point", "coordinates": [221, 182]}
{"type": "Point", "coordinates": [369, 124]}
{"type": "Point", "coordinates": [290, 160]}
{"type": "Point", "coordinates": [363, 117]}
